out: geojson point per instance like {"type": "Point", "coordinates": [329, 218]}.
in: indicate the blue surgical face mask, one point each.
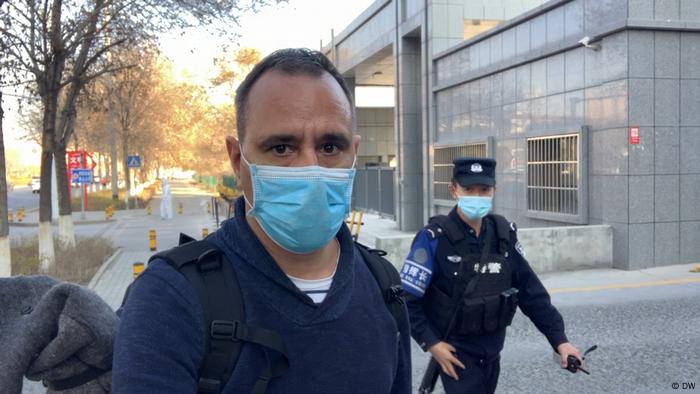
{"type": "Point", "coordinates": [475, 207]}
{"type": "Point", "coordinates": [300, 208]}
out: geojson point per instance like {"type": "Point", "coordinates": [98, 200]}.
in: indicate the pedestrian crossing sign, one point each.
{"type": "Point", "coordinates": [133, 161]}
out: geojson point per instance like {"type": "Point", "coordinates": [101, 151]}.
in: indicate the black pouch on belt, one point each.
{"type": "Point", "coordinates": [509, 304]}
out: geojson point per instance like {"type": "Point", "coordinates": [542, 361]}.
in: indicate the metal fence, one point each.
{"type": "Point", "coordinates": [553, 174]}
{"type": "Point", "coordinates": [373, 190]}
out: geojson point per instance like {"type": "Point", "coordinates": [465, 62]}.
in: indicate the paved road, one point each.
{"type": "Point", "coordinates": [22, 197]}
{"type": "Point", "coordinates": [648, 338]}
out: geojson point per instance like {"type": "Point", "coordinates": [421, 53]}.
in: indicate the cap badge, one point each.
{"type": "Point", "coordinates": [476, 167]}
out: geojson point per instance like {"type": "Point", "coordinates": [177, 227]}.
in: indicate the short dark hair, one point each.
{"type": "Point", "coordinates": [291, 61]}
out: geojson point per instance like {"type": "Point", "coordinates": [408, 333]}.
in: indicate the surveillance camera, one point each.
{"type": "Point", "coordinates": [586, 42]}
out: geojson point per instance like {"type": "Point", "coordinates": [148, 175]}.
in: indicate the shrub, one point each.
{"type": "Point", "coordinates": [76, 265]}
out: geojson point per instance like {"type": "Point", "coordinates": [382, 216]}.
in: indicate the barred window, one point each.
{"type": "Point", "coordinates": [553, 174]}
{"type": "Point", "coordinates": [442, 166]}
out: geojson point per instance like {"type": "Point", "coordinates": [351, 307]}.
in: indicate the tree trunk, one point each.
{"type": "Point", "coordinates": [66, 231]}
{"type": "Point", "coordinates": [125, 166]}
{"type": "Point", "coordinates": [46, 247]}
{"type": "Point", "coordinates": [47, 256]}
{"type": "Point", "coordinates": [5, 255]}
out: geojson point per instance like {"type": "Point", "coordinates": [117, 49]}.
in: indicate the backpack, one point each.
{"type": "Point", "coordinates": [205, 266]}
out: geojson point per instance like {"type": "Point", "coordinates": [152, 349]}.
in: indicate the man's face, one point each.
{"type": "Point", "coordinates": [472, 190]}
{"type": "Point", "coordinates": [294, 121]}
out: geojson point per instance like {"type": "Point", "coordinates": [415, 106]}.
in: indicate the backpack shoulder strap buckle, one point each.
{"type": "Point", "coordinates": [394, 294]}
{"type": "Point", "coordinates": [224, 329]}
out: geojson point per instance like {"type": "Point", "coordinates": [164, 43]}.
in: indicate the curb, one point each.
{"type": "Point", "coordinates": [98, 275]}
{"type": "Point", "coordinates": [77, 223]}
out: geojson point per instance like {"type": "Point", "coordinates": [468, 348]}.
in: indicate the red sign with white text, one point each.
{"type": "Point", "coordinates": [75, 160]}
{"type": "Point", "coordinates": [634, 135]}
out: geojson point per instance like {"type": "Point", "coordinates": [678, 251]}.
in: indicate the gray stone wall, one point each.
{"type": "Point", "coordinates": [531, 79]}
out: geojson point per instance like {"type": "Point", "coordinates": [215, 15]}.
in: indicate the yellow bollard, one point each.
{"type": "Point", "coordinates": [152, 239]}
{"type": "Point", "coordinates": [148, 210]}
{"type": "Point", "coordinates": [358, 224]}
{"type": "Point", "coordinates": [137, 269]}
{"type": "Point", "coordinates": [205, 232]}
{"type": "Point", "coordinates": [20, 214]}
{"type": "Point", "coordinates": [209, 207]}
{"type": "Point", "coordinates": [351, 220]}
{"type": "Point", "coordinates": [179, 208]}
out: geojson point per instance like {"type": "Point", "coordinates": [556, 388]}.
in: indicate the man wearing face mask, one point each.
{"type": "Point", "coordinates": [300, 274]}
{"type": "Point", "coordinates": [466, 274]}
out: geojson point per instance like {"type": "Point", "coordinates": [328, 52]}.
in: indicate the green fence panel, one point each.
{"type": "Point", "coordinates": [229, 181]}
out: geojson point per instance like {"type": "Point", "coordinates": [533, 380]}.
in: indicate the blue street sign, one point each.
{"type": "Point", "coordinates": [133, 161]}
{"type": "Point", "coordinates": [81, 175]}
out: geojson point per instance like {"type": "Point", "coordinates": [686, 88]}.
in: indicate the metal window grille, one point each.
{"type": "Point", "coordinates": [442, 166]}
{"type": "Point", "coordinates": [553, 174]}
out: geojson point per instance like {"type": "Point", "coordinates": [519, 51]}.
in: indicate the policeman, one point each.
{"type": "Point", "coordinates": [466, 274]}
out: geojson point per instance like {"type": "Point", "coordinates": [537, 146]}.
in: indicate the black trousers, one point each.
{"type": "Point", "coordinates": [479, 376]}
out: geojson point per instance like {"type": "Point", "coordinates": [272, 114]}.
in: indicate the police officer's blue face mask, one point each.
{"type": "Point", "coordinates": [475, 207]}
{"type": "Point", "coordinates": [300, 208]}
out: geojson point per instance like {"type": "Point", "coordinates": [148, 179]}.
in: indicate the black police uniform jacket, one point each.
{"type": "Point", "coordinates": [434, 270]}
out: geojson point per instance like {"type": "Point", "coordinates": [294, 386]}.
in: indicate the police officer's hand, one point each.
{"type": "Point", "coordinates": [444, 354]}
{"type": "Point", "coordinates": [565, 350]}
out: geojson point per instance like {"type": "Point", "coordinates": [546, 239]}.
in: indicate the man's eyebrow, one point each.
{"type": "Point", "coordinates": [339, 138]}
{"type": "Point", "coordinates": [278, 139]}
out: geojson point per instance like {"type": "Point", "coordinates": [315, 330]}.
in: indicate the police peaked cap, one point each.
{"type": "Point", "coordinates": [470, 171]}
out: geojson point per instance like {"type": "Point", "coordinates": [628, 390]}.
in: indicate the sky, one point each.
{"type": "Point", "coordinates": [298, 23]}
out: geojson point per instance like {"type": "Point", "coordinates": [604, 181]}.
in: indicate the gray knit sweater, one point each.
{"type": "Point", "coordinates": [51, 331]}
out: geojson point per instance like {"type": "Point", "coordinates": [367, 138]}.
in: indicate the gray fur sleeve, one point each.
{"type": "Point", "coordinates": [50, 331]}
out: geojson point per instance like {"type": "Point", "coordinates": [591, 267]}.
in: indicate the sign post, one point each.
{"type": "Point", "coordinates": [82, 176]}
{"type": "Point", "coordinates": [133, 161]}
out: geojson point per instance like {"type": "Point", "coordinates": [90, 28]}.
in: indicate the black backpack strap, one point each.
{"type": "Point", "coordinates": [504, 230]}
{"type": "Point", "coordinates": [213, 278]}
{"type": "Point", "coordinates": [455, 235]}
{"type": "Point", "coordinates": [387, 278]}
{"type": "Point", "coordinates": [453, 231]}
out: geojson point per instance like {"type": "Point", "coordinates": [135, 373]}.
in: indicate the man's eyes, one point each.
{"type": "Point", "coordinates": [284, 149]}
{"type": "Point", "coordinates": [330, 149]}
{"type": "Point", "coordinates": [281, 149]}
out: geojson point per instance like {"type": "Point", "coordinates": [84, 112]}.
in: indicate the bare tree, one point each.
{"type": "Point", "coordinates": [54, 47]}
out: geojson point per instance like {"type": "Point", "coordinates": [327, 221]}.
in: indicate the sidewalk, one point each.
{"type": "Point", "coordinates": [130, 234]}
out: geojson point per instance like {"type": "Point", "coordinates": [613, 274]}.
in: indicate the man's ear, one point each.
{"type": "Point", "coordinates": [234, 153]}
{"type": "Point", "coordinates": [356, 142]}
{"type": "Point", "coordinates": [453, 191]}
